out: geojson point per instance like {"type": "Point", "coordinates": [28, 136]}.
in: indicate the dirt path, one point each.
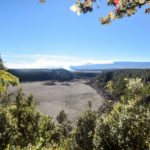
{"type": "Point", "coordinates": [73, 97]}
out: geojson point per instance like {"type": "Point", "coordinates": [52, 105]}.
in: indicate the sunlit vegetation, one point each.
{"type": "Point", "coordinates": [7, 79]}
{"type": "Point", "coordinates": [116, 82]}
{"type": "Point", "coordinates": [127, 123]}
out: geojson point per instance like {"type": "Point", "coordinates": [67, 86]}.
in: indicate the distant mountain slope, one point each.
{"type": "Point", "coordinates": [115, 65]}
{"type": "Point", "coordinates": [42, 74]}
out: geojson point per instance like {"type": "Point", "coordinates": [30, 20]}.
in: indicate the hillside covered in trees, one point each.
{"type": "Point", "coordinates": [116, 81]}
{"type": "Point", "coordinates": [42, 74]}
{"type": "Point", "coordinates": [27, 75]}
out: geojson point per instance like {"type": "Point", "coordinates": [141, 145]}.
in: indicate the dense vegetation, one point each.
{"type": "Point", "coordinates": [22, 124]}
{"type": "Point", "coordinates": [7, 79]}
{"type": "Point", "coordinates": [83, 74]}
{"type": "Point", "coordinates": [123, 125]}
{"type": "Point", "coordinates": [115, 82]}
{"type": "Point", "coordinates": [26, 75]}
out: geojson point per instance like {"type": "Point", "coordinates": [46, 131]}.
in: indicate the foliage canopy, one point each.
{"type": "Point", "coordinates": [7, 79]}
{"type": "Point", "coordinates": [122, 8]}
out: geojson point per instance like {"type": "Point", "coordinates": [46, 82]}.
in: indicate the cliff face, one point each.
{"type": "Point", "coordinates": [42, 74]}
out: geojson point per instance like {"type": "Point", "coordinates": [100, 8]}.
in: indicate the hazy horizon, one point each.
{"type": "Point", "coordinates": [82, 64]}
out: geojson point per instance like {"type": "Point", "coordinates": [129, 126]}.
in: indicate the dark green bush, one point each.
{"type": "Point", "coordinates": [85, 130]}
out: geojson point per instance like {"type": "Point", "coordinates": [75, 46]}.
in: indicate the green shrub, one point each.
{"type": "Point", "coordinates": [125, 127]}
{"type": "Point", "coordinates": [22, 124]}
{"type": "Point", "coordinates": [7, 79]}
{"type": "Point", "coordinates": [64, 124]}
{"type": "Point", "coordinates": [85, 130]}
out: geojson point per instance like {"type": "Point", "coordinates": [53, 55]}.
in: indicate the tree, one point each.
{"type": "Point", "coordinates": [64, 124]}
{"type": "Point", "coordinates": [126, 126]}
{"type": "Point", "coordinates": [2, 67]}
{"type": "Point", "coordinates": [85, 130]}
{"type": "Point", "coordinates": [22, 124]}
{"type": "Point", "coordinates": [122, 9]}
{"type": "Point", "coordinates": [119, 87]}
{"type": "Point", "coordinates": [7, 79]}
{"type": "Point", "coordinates": [62, 117]}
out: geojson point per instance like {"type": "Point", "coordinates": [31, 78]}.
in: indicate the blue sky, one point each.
{"type": "Point", "coordinates": [50, 35]}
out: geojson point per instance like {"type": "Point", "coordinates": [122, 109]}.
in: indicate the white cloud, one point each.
{"type": "Point", "coordinates": [49, 61]}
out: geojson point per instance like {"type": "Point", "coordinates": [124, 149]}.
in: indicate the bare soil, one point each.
{"type": "Point", "coordinates": [72, 97]}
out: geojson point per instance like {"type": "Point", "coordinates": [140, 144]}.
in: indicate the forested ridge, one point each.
{"type": "Point", "coordinates": [27, 75]}
{"type": "Point", "coordinates": [115, 81]}
{"type": "Point", "coordinates": [123, 125]}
